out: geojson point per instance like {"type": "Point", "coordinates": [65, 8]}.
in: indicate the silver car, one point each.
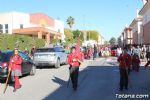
{"type": "Point", "coordinates": [50, 57]}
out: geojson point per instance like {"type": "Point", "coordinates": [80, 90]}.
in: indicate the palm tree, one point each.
{"type": "Point", "coordinates": [70, 21]}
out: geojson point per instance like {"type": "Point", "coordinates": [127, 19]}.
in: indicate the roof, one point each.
{"type": "Point", "coordinates": [145, 8]}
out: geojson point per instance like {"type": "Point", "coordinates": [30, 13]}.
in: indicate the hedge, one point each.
{"type": "Point", "coordinates": [12, 40]}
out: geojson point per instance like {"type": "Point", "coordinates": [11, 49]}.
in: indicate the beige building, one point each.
{"type": "Point", "coordinates": [138, 32]}
{"type": "Point", "coordinates": [101, 40]}
{"type": "Point", "coordinates": [127, 36]}
{"type": "Point", "coordinates": [145, 13]}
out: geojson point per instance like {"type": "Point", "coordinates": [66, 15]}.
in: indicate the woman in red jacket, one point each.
{"type": "Point", "coordinates": [74, 60]}
{"type": "Point", "coordinates": [15, 68]}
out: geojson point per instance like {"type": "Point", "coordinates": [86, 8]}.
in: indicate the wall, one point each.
{"type": "Point", "coordinates": [59, 25]}
{"type": "Point", "coordinates": [14, 19]}
{"type": "Point", "coordinates": [135, 38]}
{"type": "Point", "coordinates": [146, 26]}
{"type": "Point", "coordinates": [20, 18]}
{"type": "Point", "coordinates": [41, 19]}
{"type": "Point", "coordinates": [6, 18]}
{"type": "Point", "coordinates": [147, 33]}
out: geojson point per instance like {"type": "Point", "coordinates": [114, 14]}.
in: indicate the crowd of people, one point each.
{"type": "Point", "coordinates": [129, 59]}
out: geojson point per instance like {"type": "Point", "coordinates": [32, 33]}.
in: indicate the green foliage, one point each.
{"type": "Point", "coordinates": [92, 35]}
{"type": "Point", "coordinates": [21, 41]}
{"type": "Point", "coordinates": [113, 41]}
{"type": "Point", "coordinates": [70, 21]}
{"type": "Point", "coordinates": [76, 34]}
{"type": "Point", "coordinates": [106, 42]}
{"type": "Point", "coordinates": [69, 36]}
{"type": "Point", "coordinates": [82, 36]}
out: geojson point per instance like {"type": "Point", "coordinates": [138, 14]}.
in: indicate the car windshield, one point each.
{"type": "Point", "coordinates": [4, 57]}
{"type": "Point", "coordinates": [45, 50]}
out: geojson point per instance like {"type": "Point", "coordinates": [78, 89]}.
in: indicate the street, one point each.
{"type": "Point", "coordinates": [98, 80]}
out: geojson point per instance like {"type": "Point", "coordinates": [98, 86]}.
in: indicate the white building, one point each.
{"type": "Point", "coordinates": [37, 24]}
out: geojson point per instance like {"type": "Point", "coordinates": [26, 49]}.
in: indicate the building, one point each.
{"type": "Point", "coordinates": [126, 35]}
{"type": "Point", "coordinates": [138, 31]}
{"type": "Point", "coordinates": [101, 40]}
{"type": "Point", "coordinates": [145, 13]}
{"type": "Point", "coordinates": [35, 25]}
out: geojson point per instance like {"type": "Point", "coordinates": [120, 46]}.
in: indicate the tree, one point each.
{"type": "Point", "coordinates": [113, 41]}
{"type": "Point", "coordinates": [76, 34]}
{"type": "Point", "coordinates": [119, 42]}
{"type": "Point", "coordinates": [70, 21]}
{"type": "Point", "coordinates": [106, 42]}
{"type": "Point", "coordinates": [92, 35]}
{"type": "Point", "coordinates": [68, 35]}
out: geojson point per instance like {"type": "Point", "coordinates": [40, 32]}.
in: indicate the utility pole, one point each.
{"type": "Point", "coordinates": [85, 31]}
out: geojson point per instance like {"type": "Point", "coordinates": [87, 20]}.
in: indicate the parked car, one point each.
{"type": "Point", "coordinates": [27, 64]}
{"type": "Point", "coordinates": [50, 57]}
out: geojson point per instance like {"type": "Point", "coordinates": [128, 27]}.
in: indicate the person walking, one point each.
{"type": "Point", "coordinates": [15, 68]}
{"type": "Point", "coordinates": [136, 62]}
{"type": "Point", "coordinates": [94, 52]}
{"type": "Point", "coordinates": [74, 60]}
{"type": "Point", "coordinates": [33, 50]}
{"type": "Point", "coordinates": [119, 51]}
{"type": "Point", "coordinates": [148, 53]}
{"type": "Point", "coordinates": [144, 52]}
{"type": "Point", "coordinates": [124, 70]}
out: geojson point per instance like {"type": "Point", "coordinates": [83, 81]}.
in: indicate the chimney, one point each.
{"type": "Point", "coordinates": [145, 1]}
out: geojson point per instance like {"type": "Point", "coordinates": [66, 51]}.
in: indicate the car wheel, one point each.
{"type": "Point", "coordinates": [33, 70]}
{"type": "Point", "coordinates": [57, 65]}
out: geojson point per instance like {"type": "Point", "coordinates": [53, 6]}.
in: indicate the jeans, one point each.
{"type": "Point", "coordinates": [94, 55]}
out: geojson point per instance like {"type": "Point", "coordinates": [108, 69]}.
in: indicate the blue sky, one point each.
{"type": "Point", "coordinates": [109, 17]}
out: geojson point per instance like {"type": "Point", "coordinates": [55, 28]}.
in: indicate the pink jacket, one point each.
{"type": "Point", "coordinates": [15, 62]}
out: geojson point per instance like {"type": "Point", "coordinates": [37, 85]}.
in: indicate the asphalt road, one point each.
{"type": "Point", "coordinates": [98, 80]}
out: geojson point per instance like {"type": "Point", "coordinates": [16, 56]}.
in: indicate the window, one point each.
{"type": "Point", "coordinates": [58, 49]}
{"type": "Point", "coordinates": [24, 56]}
{"type": "Point", "coordinates": [6, 28]}
{"type": "Point", "coordinates": [45, 50]}
{"type": "Point", "coordinates": [1, 28]}
{"type": "Point", "coordinates": [21, 26]}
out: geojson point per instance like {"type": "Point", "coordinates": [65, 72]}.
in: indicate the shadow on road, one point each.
{"type": "Point", "coordinates": [59, 81]}
{"type": "Point", "coordinates": [101, 82]}
{"type": "Point", "coordinates": [91, 76]}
